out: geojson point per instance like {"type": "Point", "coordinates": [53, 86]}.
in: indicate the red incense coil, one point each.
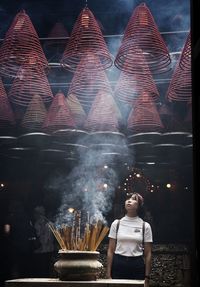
{"type": "Point", "coordinates": [76, 109]}
{"type": "Point", "coordinates": [86, 37]}
{"type": "Point", "coordinates": [6, 112]}
{"type": "Point", "coordinates": [58, 30]}
{"type": "Point", "coordinates": [180, 87]}
{"type": "Point", "coordinates": [185, 60]}
{"type": "Point", "coordinates": [59, 115]}
{"type": "Point", "coordinates": [87, 83]}
{"type": "Point", "coordinates": [20, 41]}
{"type": "Point", "coordinates": [144, 116]}
{"type": "Point", "coordinates": [58, 101]}
{"type": "Point", "coordinates": [35, 114]}
{"type": "Point", "coordinates": [129, 86]}
{"type": "Point", "coordinates": [103, 115]}
{"type": "Point", "coordinates": [142, 32]}
{"type": "Point", "coordinates": [30, 80]}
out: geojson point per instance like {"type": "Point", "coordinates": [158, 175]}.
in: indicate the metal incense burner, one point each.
{"type": "Point", "coordinates": [77, 265]}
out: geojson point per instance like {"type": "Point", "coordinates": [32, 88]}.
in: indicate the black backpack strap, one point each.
{"type": "Point", "coordinates": [117, 227]}
{"type": "Point", "coordinates": [143, 230]}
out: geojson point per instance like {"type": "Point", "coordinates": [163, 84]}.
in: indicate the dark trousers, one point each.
{"type": "Point", "coordinates": [124, 267]}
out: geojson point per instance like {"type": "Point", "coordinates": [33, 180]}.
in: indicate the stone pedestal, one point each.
{"type": "Point", "coordinates": [49, 282]}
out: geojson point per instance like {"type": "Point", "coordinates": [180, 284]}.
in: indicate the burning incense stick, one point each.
{"type": "Point", "coordinates": [69, 237]}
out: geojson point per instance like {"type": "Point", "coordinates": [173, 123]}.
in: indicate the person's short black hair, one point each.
{"type": "Point", "coordinates": [141, 208]}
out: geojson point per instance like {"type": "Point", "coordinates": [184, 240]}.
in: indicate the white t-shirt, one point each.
{"type": "Point", "coordinates": [130, 235]}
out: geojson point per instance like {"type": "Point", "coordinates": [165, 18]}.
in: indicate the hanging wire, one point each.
{"type": "Point", "coordinates": [86, 3]}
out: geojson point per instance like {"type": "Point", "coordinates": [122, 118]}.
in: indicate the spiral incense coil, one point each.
{"type": "Point", "coordinates": [76, 109]}
{"type": "Point", "coordinates": [59, 115]}
{"type": "Point", "coordinates": [180, 87]}
{"type": "Point", "coordinates": [30, 80]}
{"type": "Point", "coordinates": [58, 30]}
{"type": "Point", "coordinates": [142, 32]}
{"type": "Point", "coordinates": [144, 116]}
{"type": "Point", "coordinates": [185, 60]}
{"type": "Point", "coordinates": [87, 83]}
{"type": "Point", "coordinates": [20, 41]}
{"type": "Point", "coordinates": [57, 102]}
{"type": "Point", "coordinates": [6, 112]}
{"type": "Point", "coordinates": [86, 37]}
{"type": "Point", "coordinates": [35, 114]}
{"type": "Point", "coordinates": [129, 86]}
{"type": "Point", "coordinates": [103, 115]}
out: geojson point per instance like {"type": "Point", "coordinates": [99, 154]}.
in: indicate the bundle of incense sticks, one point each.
{"type": "Point", "coordinates": [69, 237]}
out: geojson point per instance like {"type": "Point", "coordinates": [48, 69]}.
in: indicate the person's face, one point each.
{"type": "Point", "coordinates": [131, 204]}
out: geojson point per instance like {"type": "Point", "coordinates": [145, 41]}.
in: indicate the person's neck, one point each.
{"type": "Point", "coordinates": [131, 214]}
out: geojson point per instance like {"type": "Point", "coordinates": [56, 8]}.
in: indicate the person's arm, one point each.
{"type": "Point", "coordinates": [110, 252]}
{"type": "Point", "coordinates": [147, 259]}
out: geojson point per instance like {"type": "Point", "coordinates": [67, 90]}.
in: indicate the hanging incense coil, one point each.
{"type": "Point", "coordinates": [58, 31]}
{"type": "Point", "coordinates": [129, 86]}
{"type": "Point", "coordinates": [180, 87]}
{"type": "Point", "coordinates": [6, 112]}
{"type": "Point", "coordinates": [142, 32]}
{"type": "Point", "coordinates": [35, 114]}
{"type": "Point", "coordinates": [59, 115]}
{"type": "Point", "coordinates": [86, 37]}
{"type": "Point", "coordinates": [86, 83]}
{"type": "Point", "coordinates": [30, 80]}
{"type": "Point", "coordinates": [144, 116]}
{"type": "Point", "coordinates": [76, 109]}
{"type": "Point", "coordinates": [20, 41]}
{"type": "Point", "coordinates": [185, 60]}
{"type": "Point", "coordinates": [103, 115]}
{"type": "Point", "coordinates": [56, 42]}
{"type": "Point", "coordinates": [58, 101]}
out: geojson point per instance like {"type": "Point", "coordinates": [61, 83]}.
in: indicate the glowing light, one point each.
{"type": "Point", "coordinates": [138, 175]}
{"type": "Point", "coordinates": [130, 175]}
{"type": "Point", "coordinates": [85, 189]}
{"type": "Point", "coordinates": [151, 190]}
{"type": "Point", "coordinates": [105, 166]}
{"type": "Point", "coordinates": [71, 209]}
{"type": "Point", "coordinates": [2, 185]}
{"type": "Point", "coordinates": [168, 185]}
{"type": "Point", "coordinates": [105, 185]}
